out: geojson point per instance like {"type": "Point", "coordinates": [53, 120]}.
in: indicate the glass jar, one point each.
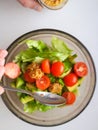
{"type": "Point", "coordinates": [53, 4]}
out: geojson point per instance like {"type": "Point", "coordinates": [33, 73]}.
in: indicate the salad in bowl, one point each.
{"type": "Point", "coordinates": [53, 61]}
{"type": "Point", "coordinates": [52, 68]}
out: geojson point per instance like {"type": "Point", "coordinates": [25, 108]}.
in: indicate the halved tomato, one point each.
{"type": "Point", "coordinates": [70, 97]}
{"type": "Point", "coordinates": [45, 66]}
{"type": "Point", "coordinates": [43, 83]}
{"type": "Point", "coordinates": [57, 68]}
{"type": "Point", "coordinates": [28, 78]}
{"type": "Point", "coordinates": [81, 69]}
{"type": "Point", "coordinates": [70, 79]}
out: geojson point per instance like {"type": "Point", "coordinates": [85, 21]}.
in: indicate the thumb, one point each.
{"type": "Point", "coordinates": [33, 4]}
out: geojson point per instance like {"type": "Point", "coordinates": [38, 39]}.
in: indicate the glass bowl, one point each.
{"type": "Point", "coordinates": [53, 4]}
{"type": "Point", "coordinates": [58, 115]}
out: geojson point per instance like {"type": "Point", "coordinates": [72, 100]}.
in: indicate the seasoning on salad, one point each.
{"type": "Point", "coordinates": [52, 2]}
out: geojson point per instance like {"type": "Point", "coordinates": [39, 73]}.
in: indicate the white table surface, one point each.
{"type": "Point", "coordinates": [79, 18]}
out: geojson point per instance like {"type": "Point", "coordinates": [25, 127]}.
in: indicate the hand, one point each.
{"type": "Point", "coordinates": [33, 4]}
{"type": "Point", "coordinates": [1, 90]}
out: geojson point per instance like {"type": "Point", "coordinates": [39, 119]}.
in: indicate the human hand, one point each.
{"type": "Point", "coordinates": [1, 90]}
{"type": "Point", "coordinates": [3, 54]}
{"type": "Point", "coordinates": [33, 4]}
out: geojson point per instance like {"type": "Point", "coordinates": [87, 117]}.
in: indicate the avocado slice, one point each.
{"type": "Point", "coordinates": [65, 73]}
{"type": "Point", "coordinates": [19, 82]}
{"type": "Point", "coordinates": [76, 92]}
{"type": "Point", "coordinates": [26, 99]}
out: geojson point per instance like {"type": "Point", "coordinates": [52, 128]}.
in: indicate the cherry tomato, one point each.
{"type": "Point", "coordinates": [45, 66]}
{"type": "Point", "coordinates": [80, 68]}
{"type": "Point", "coordinates": [70, 97]}
{"type": "Point", "coordinates": [43, 83]}
{"type": "Point", "coordinates": [28, 78]}
{"type": "Point", "coordinates": [57, 68]}
{"type": "Point", "coordinates": [70, 79]}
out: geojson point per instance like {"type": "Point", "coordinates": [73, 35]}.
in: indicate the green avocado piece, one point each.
{"type": "Point", "coordinates": [74, 87]}
{"type": "Point", "coordinates": [26, 99]}
{"type": "Point", "coordinates": [19, 82]}
{"type": "Point", "coordinates": [76, 92]}
{"type": "Point", "coordinates": [65, 73]}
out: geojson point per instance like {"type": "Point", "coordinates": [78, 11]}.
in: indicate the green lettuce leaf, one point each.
{"type": "Point", "coordinates": [38, 45]}
{"type": "Point", "coordinates": [60, 46]}
{"type": "Point", "coordinates": [38, 50]}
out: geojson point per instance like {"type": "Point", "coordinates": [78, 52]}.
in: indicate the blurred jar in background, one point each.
{"type": "Point", "coordinates": [53, 4]}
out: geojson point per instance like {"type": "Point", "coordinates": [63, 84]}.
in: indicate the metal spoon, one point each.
{"type": "Point", "coordinates": [46, 98]}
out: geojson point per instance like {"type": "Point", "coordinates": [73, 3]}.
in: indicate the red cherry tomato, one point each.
{"type": "Point", "coordinates": [43, 83]}
{"type": "Point", "coordinates": [28, 78]}
{"type": "Point", "coordinates": [57, 68]}
{"type": "Point", "coordinates": [80, 68]}
{"type": "Point", "coordinates": [70, 79]}
{"type": "Point", "coordinates": [70, 97]}
{"type": "Point", "coordinates": [45, 66]}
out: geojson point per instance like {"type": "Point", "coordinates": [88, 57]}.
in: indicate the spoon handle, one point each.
{"type": "Point", "coordinates": [17, 90]}
{"type": "Point", "coordinates": [46, 98]}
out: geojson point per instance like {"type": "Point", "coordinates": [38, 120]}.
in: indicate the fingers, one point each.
{"type": "Point", "coordinates": [1, 90]}
{"type": "Point", "coordinates": [33, 4]}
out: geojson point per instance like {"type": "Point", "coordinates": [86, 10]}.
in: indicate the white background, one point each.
{"type": "Point", "coordinates": [79, 18]}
